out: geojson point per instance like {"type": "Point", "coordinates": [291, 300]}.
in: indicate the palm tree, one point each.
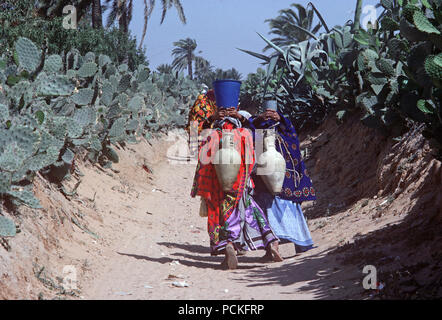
{"type": "Point", "coordinates": [231, 74]}
{"type": "Point", "coordinates": [121, 10]}
{"type": "Point", "coordinates": [97, 18]}
{"type": "Point", "coordinates": [167, 4]}
{"type": "Point", "coordinates": [165, 68]}
{"type": "Point", "coordinates": [289, 24]}
{"type": "Point", "coordinates": [184, 55]}
{"type": "Point", "coordinates": [203, 69]}
{"type": "Point", "coordinates": [54, 8]}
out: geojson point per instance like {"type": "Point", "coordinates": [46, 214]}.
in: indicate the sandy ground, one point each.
{"type": "Point", "coordinates": [161, 239]}
{"type": "Point", "coordinates": [133, 231]}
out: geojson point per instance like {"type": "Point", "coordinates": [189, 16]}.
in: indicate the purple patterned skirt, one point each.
{"type": "Point", "coordinates": [247, 228]}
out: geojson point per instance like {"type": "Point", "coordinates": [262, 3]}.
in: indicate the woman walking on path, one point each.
{"type": "Point", "coordinates": [284, 210]}
{"type": "Point", "coordinates": [201, 116]}
{"type": "Point", "coordinates": [235, 221]}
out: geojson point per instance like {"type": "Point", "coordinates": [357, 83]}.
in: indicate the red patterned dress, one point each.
{"type": "Point", "coordinates": [232, 217]}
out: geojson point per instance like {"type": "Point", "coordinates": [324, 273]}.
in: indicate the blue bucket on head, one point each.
{"type": "Point", "coordinates": [227, 93]}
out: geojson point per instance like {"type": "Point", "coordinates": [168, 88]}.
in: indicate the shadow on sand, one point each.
{"type": "Point", "coordinates": [318, 271]}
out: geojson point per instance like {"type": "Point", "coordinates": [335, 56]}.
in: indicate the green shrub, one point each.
{"type": "Point", "coordinates": [52, 107]}
{"type": "Point", "coordinates": [392, 74]}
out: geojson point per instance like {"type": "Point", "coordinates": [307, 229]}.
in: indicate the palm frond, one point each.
{"type": "Point", "coordinates": [180, 11]}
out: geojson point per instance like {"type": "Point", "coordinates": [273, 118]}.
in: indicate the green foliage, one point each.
{"type": "Point", "coordinates": [72, 103]}
{"type": "Point", "coordinates": [87, 70]}
{"type": "Point", "coordinates": [7, 227]}
{"type": "Point", "coordinates": [118, 45]}
{"type": "Point", "coordinates": [393, 77]}
{"type": "Point", "coordinates": [28, 54]}
{"type": "Point", "coordinates": [53, 63]}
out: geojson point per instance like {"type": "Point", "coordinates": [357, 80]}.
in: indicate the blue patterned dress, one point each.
{"type": "Point", "coordinates": [284, 211]}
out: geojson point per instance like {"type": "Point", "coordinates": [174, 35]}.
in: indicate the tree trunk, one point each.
{"type": "Point", "coordinates": [146, 19]}
{"type": "Point", "coordinates": [357, 19]}
{"type": "Point", "coordinates": [189, 64]}
{"type": "Point", "coordinates": [123, 23]}
{"type": "Point", "coordinates": [97, 18]}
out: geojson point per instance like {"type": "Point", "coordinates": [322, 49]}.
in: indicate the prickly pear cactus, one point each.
{"type": "Point", "coordinates": [74, 103]}
{"type": "Point", "coordinates": [29, 56]}
{"type": "Point", "coordinates": [7, 227]}
{"type": "Point", "coordinates": [108, 91]}
{"type": "Point", "coordinates": [124, 83]}
{"type": "Point", "coordinates": [408, 12]}
{"type": "Point", "coordinates": [54, 85]}
{"type": "Point", "coordinates": [25, 196]}
{"type": "Point", "coordinates": [104, 60]}
{"type": "Point", "coordinates": [53, 63]}
{"type": "Point", "coordinates": [87, 70]}
{"type": "Point", "coordinates": [423, 24]}
{"type": "Point", "coordinates": [5, 182]}
{"type": "Point", "coordinates": [83, 97]}
{"type": "Point", "coordinates": [433, 66]}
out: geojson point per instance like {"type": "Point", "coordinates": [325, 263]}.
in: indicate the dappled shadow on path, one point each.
{"type": "Point", "coordinates": [186, 247]}
{"type": "Point", "coordinates": [196, 256]}
{"type": "Point", "coordinates": [320, 275]}
{"type": "Point", "coordinates": [203, 264]}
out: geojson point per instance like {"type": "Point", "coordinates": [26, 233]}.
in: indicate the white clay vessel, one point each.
{"type": "Point", "coordinates": [227, 162]}
{"type": "Point", "coordinates": [271, 164]}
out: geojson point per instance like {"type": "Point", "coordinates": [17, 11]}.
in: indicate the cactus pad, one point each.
{"type": "Point", "coordinates": [29, 56]}
{"type": "Point", "coordinates": [143, 75]}
{"type": "Point", "coordinates": [433, 66]}
{"type": "Point", "coordinates": [124, 83]}
{"type": "Point", "coordinates": [5, 182]}
{"type": "Point", "coordinates": [423, 24]}
{"type": "Point", "coordinates": [74, 129]}
{"type": "Point", "coordinates": [4, 113]}
{"type": "Point", "coordinates": [83, 97]}
{"type": "Point", "coordinates": [408, 12]}
{"type": "Point", "coordinates": [25, 196]}
{"type": "Point", "coordinates": [89, 57]}
{"type": "Point", "coordinates": [136, 103]}
{"type": "Point", "coordinates": [103, 60]}
{"type": "Point", "coordinates": [386, 66]}
{"type": "Point", "coordinates": [68, 157]}
{"type": "Point", "coordinates": [53, 63]}
{"type": "Point", "coordinates": [54, 85]}
{"type": "Point", "coordinates": [7, 227]}
{"type": "Point", "coordinates": [85, 116]}
{"type": "Point", "coordinates": [123, 68]}
{"type": "Point", "coordinates": [108, 91]}
{"type": "Point", "coordinates": [87, 70]}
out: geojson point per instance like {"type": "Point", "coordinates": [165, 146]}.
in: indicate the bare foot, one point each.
{"type": "Point", "coordinates": [231, 259]}
{"type": "Point", "coordinates": [274, 248]}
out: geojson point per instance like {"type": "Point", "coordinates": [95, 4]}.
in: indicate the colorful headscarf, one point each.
{"type": "Point", "coordinates": [202, 109]}
{"type": "Point", "coordinates": [297, 185]}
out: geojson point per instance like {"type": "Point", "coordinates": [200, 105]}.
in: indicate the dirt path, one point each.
{"type": "Point", "coordinates": [163, 240]}
{"type": "Point", "coordinates": [131, 231]}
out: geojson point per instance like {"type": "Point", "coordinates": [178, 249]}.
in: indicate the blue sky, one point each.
{"type": "Point", "coordinates": [221, 26]}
